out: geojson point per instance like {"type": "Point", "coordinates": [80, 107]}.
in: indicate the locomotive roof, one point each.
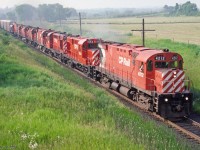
{"type": "Point", "coordinates": [146, 54]}
{"type": "Point", "coordinates": [5, 20]}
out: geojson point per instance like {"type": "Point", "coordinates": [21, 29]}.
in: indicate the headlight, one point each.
{"type": "Point", "coordinates": [186, 98]}
{"type": "Point", "coordinates": [174, 76]}
{"type": "Point", "coordinates": [166, 100]}
{"type": "Point", "coordinates": [174, 72]}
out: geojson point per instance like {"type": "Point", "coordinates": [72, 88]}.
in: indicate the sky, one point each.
{"type": "Point", "coordinates": [90, 4]}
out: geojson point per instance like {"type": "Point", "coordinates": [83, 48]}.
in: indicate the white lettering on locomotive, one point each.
{"type": "Point", "coordinates": [55, 40]}
{"type": "Point", "coordinates": [90, 41]}
{"type": "Point", "coordinates": [140, 74]}
{"type": "Point", "coordinates": [124, 61]}
{"type": "Point", "coordinates": [75, 46]}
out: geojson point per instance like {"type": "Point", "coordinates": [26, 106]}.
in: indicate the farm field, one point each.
{"type": "Point", "coordinates": [45, 106]}
{"type": "Point", "coordinates": [180, 29]}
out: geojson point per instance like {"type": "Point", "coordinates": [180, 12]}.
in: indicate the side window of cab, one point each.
{"type": "Point", "coordinates": [149, 65]}
{"type": "Point", "coordinates": [180, 64]}
{"type": "Point", "coordinates": [84, 46]}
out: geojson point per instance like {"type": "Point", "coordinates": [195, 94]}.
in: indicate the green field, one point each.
{"type": "Point", "coordinates": [187, 31]}
{"type": "Point", "coordinates": [46, 106]}
{"type": "Point", "coordinates": [166, 27]}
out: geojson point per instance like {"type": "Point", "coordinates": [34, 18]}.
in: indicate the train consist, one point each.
{"type": "Point", "coordinates": [155, 79]}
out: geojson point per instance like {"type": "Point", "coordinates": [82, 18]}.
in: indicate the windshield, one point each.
{"type": "Point", "coordinates": [172, 64]}
{"type": "Point", "coordinates": [92, 45]}
{"type": "Point", "coordinates": [161, 64]}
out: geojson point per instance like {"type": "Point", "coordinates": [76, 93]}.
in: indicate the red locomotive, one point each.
{"type": "Point", "coordinates": [153, 78]}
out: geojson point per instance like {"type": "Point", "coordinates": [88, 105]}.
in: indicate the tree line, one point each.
{"type": "Point", "coordinates": [186, 9]}
{"type": "Point", "coordinates": [47, 12]}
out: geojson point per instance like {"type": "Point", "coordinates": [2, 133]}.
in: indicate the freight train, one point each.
{"type": "Point", "coordinates": [153, 78]}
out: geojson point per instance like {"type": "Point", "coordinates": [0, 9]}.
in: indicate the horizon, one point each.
{"type": "Point", "coordinates": [77, 4]}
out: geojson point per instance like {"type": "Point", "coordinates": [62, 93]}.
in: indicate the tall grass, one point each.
{"type": "Point", "coordinates": [46, 106]}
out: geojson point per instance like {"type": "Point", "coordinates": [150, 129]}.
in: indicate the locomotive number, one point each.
{"type": "Point", "coordinates": [160, 57]}
{"type": "Point", "coordinates": [90, 41]}
{"type": "Point", "coordinates": [140, 74]}
{"type": "Point", "coordinates": [75, 46]}
{"type": "Point", "coordinates": [175, 57]}
{"type": "Point", "coordinates": [124, 61]}
{"type": "Point", "coordinates": [55, 40]}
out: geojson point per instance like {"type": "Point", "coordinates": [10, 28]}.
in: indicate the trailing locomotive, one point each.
{"type": "Point", "coordinates": [153, 78]}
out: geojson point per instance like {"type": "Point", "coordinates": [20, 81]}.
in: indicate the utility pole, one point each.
{"type": "Point", "coordinates": [59, 17]}
{"type": "Point", "coordinates": [80, 23]}
{"type": "Point", "coordinates": [143, 32]}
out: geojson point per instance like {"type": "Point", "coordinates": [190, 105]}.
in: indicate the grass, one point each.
{"type": "Point", "coordinates": [180, 32]}
{"type": "Point", "coordinates": [45, 106]}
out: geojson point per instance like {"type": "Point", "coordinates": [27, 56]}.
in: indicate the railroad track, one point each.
{"type": "Point", "coordinates": [187, 127]}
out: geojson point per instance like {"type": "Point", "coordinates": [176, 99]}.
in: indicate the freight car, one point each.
{"type": "Point", "coordinates": [6, 25]}
{"type": "Point", "coordinates": [153, 78]}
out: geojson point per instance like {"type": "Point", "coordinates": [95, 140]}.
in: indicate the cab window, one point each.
{"type": "Point", "coordinates": [84, 47]}
{"type": "Point", "coordinates": [180, 64]}
{"type": "Point", "coordinates": [161, 64]}
{"type": "Point", "coordinates": [149, 65]}
{"type": "Point", "coordinates": [92, 45]}
{"type": "Point", "coordinates": [174, 64]}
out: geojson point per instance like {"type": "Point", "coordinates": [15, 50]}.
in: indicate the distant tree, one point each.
{"type": "Point", "coordinates": [177, 7]}
{"type": "Point", "coordinates": [70, 12]}
{"type": "Point", "coordinates": [43, 12]}
{"type": "Point", "coordinates": [169, 9]}
{"type": "Point", "coordinates": [187, 9]}
{"type": "Point", "coordinates": [11, 16]}
{"type": "Point", "coordinates": [54, 12]}
{"type": "Point", "coordinates": [25, 12]}
{"type": "Point", "coordinates": [2, 16]}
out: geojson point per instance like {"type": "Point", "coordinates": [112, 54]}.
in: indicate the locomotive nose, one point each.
{"type": "Point", "coordinates": [94, 55]}
{"type": "Point", "coordinates": [169, 80]}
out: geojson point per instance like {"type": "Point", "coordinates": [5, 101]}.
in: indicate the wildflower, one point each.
{"type": "Point", "coordinates": [33, 145]}
{"type": "Point", "coordinates": [24, 136]}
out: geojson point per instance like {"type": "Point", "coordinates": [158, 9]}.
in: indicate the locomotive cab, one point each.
{"type": "Point", "coordinates": [93, 52]}
{"type": "Point", "coordinates": [85, 50]}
